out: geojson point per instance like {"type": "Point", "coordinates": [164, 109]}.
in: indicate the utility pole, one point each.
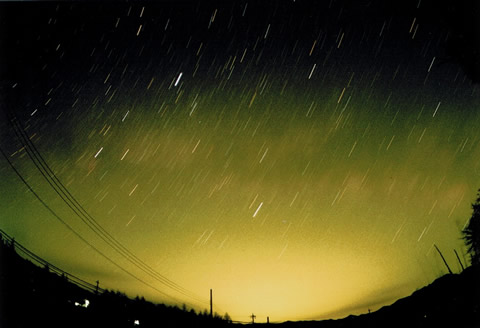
{"type": "Point", "coordinates": [211, 304]}
{"type": "Point", "coordinates": [268, 319]}
{"type": "Point", "coordinates": [253, 316]}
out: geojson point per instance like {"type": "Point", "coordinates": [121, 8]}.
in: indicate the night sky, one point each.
{"type": "Point", "coordinates": [301, 159]}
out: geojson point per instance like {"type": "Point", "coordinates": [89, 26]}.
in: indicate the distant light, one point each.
{"type": "Point", "coordinates": [136, 323]}
{"type": "Point", "coordinates": [84, 305]}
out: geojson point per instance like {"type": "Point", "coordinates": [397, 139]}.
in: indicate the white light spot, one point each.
{"type": "Point", "coordinates": [98, 152]}
{"type": "Point", "coordinates": [431, 64]}
{"type": "Point", "coordinates": [258, 209]}
{"type": "Point", "coordinates": [435, 112]}
{"type": "Point", "coordinates": [421, 235]}
{"type": "Point", "coordinates": [124, 154]}
{"type": "Point", "coordinates": [353, 147]}
{"type": "Point", "coordinates": [125, 116]}
{"type": "Point", "coordinates": [266, 33]}
{"type": "Point", "coordinates": [195, 148]}
{"type": "Point", "coordinates": [133, 190]}
{"type": "Point", "coordinates": [311, 72]}
{"type": "Point", "coordinates": [133, 217]}
{"type": "Point", "coordinates": [265, 153]}
{"type": "Point", "coordinates": [294, 198]}
{"type": "Point", "coordinates": [390, 143]}
{"type": "Point", "coordinates": [178, 79]}
{"type": "Point", "coordinates": [85, 304]}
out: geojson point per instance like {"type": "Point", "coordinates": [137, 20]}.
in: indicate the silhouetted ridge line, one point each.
{"type": "Point", "coordinates": [85, 217]}
{"type": "Point", "coordinates": [29, 255]}
{"type": "Point", "coordinates": [43, 295]}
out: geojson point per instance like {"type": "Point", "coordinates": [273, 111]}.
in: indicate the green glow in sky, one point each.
{"type": "Point", "coordinates": [300, 171]}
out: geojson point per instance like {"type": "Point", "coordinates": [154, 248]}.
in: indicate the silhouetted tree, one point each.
{"type": "Point", "coordinates": [471, 233]}
{"type": "Point", "coordinates": [227, 318]}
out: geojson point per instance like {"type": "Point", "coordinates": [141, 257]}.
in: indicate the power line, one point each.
{"type": "Point", "coordinates": [86, 218]}
{"type": "Point", "coordinates": [76, 233]}
{"type": "Point", "coordinates": [32, 256]}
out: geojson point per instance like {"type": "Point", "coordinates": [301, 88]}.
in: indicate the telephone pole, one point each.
{"type": "Point", "coordinates": [211, 304]}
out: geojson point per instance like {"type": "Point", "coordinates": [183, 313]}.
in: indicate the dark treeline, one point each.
{"type": "Point", "coordinates": [33, 296]}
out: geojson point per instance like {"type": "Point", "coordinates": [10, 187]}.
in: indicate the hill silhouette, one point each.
{"type": "Point", "coordinates": [452, 300]}
{"type": "Point", "coordinates": [33, 296]}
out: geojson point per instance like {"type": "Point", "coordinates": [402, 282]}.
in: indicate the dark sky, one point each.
{"type": "Point", "coordinates": [300, 158]}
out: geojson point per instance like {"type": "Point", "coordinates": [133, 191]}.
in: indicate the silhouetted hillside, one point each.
{"type": "Point", "coordinates": [452, 300]}
{"type": "Point", "coordinates": [31, 296]}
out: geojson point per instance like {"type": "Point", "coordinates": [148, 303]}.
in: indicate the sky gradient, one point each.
{"type": "Point", "coordinates": [299, 159]}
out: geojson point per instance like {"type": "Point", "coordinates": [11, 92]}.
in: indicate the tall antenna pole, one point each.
{"type": "Point", "coordinates": [450, 271]}
{"type": "Point", "coordinates": [458, 258]}
{"type": "Point", "coordinates": [211, 304]}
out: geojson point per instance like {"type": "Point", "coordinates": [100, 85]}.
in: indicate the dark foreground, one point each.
{"type": "Point", "coordinates": [33, 296]}
{"type": "Point", "coordinates": [452, 301]}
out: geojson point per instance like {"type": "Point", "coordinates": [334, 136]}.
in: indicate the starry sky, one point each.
{"type": "Point", "coordinates": [299, 158]}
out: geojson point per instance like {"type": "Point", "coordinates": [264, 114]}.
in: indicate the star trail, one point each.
{"type": "Point", "coordinates": [299, 158]}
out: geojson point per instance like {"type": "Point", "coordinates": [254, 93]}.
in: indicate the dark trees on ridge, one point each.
{"type": "Point", "coordinates": [471, 233]}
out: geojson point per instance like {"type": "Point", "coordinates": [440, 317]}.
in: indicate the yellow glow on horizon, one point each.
{"type": "Point", "coordinates": [302, 284]}
{"type": "Point", "coordinates": [293, 192]}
